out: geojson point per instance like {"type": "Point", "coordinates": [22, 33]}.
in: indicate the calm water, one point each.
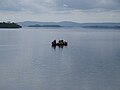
{"type": "Point", "coordinates": [91, 61]}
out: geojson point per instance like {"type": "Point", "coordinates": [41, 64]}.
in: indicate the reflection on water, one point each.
{"type": "Point", "coordinates": [60, 46]}
{"type": "Point", "coordinates": [29, 62]}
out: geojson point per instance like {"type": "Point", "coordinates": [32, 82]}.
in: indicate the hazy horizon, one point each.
{"type": "Point", "coordinates": [60, 21]}
{"type": "Point", "coordinates": [67, 21]}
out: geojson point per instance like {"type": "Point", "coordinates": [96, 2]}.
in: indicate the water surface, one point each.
{"type": "Point", "coordinates": [91, 61]}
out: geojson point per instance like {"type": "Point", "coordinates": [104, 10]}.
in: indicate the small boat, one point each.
{"type": "Point", "coordinates": [59, 43]}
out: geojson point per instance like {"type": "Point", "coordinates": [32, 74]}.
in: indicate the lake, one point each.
{"type": "Point", "coordinates": [91, 61]}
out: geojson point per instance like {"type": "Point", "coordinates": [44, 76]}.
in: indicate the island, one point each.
{"type": "Point", "coordinates": [37, 25]}
{"type": "Point", "coordinates": [9, 25]}
{"type": "Point", "coordinates": [94, 26]}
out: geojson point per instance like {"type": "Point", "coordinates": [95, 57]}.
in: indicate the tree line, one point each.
{"type": "Point", "coordinates": [9, 25]}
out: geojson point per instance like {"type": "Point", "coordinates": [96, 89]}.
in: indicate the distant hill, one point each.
{"type": "Point", "coordinates": [62, 24]}
{"type": "Point", "coordinates": [70, 24]}
{"type": "Point", "coordinates": [101, 25]}
{"type": "Point", "coordinates": [9, 25]}
{"type": "Point", "coordinates": [37, 25]}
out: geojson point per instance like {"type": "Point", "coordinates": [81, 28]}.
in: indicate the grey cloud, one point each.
{"type": "Point", "coordinates": [47, 5]}
{"type": "Point", "coordinates": [37, 5]}
{"type": "Point", "coordinates": [90, 4]}
{"type": "Point", "coordinates": [10, 5]}
{"type": "Point", "coordinates": [75, 4]}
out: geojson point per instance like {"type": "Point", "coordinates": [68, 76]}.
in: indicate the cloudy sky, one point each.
{"type": "Point", "coordinates": [60, 10]}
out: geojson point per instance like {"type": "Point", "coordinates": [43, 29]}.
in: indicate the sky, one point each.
{"type": "Point", "coordinates": [60, 10]}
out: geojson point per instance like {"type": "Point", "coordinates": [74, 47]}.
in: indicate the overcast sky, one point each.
{"type": "Point", "coordinates": [60, 10]}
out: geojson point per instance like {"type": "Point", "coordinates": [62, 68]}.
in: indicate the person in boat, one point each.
{"type": "Point", "coordinates": [54, 42]}
{"type": "Point", "coordinates": [60, 42]}
{"type": "Point", "coordinates": [65, 43]}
